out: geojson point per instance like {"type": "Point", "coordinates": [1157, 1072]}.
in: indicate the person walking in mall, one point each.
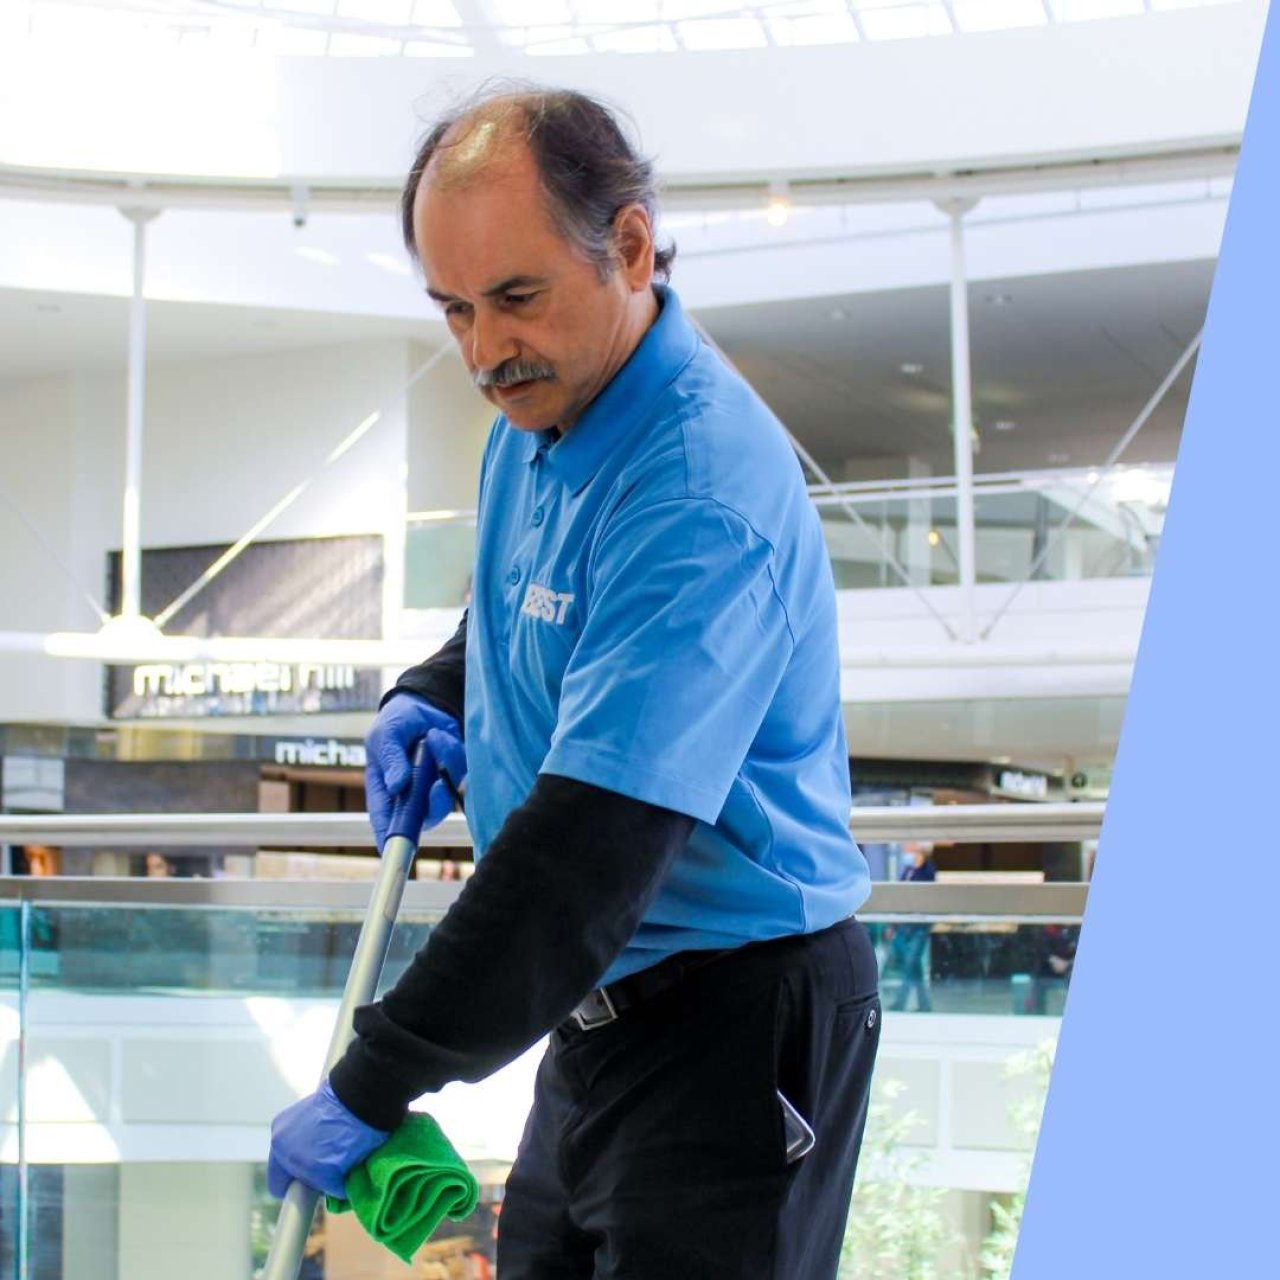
{"type": "Point", "coordinates": [645, 691]}
{"type": "Point", "coordinates": [911, 941]}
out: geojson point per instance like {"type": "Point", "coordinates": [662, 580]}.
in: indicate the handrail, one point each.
{"type": "Point", "coordinates": [994, 823]}
{"type": "Point", "coordinates": [958, 903]}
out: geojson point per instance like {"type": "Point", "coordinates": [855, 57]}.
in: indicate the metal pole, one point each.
{"type": "Point", "coordinates": [962, 419]}
{"type": "Point", "coordinates": [289, 1240]}
{"type": "Point", "coordinates": [1105, 470]}
{"type": "Point", "coordinates": [808, 461]}
{"type": "Point", "coordinates": [24, 1182]}
{"type": "Point", "coordinates": [131, 549]}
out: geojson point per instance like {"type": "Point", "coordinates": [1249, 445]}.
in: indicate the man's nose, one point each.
{"type": "Point", "coordinates": [491, 342]}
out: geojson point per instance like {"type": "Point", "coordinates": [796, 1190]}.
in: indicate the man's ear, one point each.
{"type": "Point", "coordinates": [633, 246]}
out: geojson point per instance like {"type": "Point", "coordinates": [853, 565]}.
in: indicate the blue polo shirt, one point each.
{"type": "Point", "coordinates": [653, 612]}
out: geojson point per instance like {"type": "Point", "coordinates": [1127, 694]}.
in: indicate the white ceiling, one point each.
{"type": "Point", "coordinates": [1068, 359]}
{"type": "Point", "coordinates": [44, 333]}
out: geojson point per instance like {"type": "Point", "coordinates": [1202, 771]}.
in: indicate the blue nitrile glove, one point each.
{"type": "Point", "coordinates": [316, 1141]}
{"type": "Point", "coordinates": [404, 721]}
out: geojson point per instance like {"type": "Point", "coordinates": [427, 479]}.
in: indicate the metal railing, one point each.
{"type": "Point", "coordinates": [996, 823]}
{"type": "Point", "coordinates": [960, 903]}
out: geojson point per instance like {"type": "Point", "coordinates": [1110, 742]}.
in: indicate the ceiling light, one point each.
{"type": "Point", "coordinates": [389, 262]}
{"type": "Point", "coordinates": [778, 211]}
{"type": "Point", "coordinates": [999, 299]}
{"type": "Point", "coordinates": [320, 256]}
{"type": "Point", "coordinates": [839, 313]}
{"type": "Point", "coordinates": [934, 537]}
{"type": "Point", "coordinates": [1005, 424]}
{"type": "Point", "coordinates": [910, 367]}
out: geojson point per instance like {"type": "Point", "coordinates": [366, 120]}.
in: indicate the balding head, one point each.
{"type": "Point", "coordinates": [587, 169]}
{"type": "Point", "coordinates": [485, 140]}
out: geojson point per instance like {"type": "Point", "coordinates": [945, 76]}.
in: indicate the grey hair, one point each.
{"type": "Point", "coordinates": [589, 168]}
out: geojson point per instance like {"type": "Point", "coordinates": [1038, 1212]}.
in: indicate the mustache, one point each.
{"type": "Point", "coordinates": [510, 372]}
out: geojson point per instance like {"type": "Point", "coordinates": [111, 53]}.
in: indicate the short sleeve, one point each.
{"type": "Point", "coordinates": [684, 644]}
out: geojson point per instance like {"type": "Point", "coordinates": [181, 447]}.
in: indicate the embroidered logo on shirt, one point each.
{"type": "Point", "coordinates": [545, 604]}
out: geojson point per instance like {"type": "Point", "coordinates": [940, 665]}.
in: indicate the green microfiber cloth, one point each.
{"type": "Point", "coordinates": [405, 1188]}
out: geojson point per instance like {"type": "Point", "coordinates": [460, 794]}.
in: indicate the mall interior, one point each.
{"type": "Point", "coordinates": [963, 249]}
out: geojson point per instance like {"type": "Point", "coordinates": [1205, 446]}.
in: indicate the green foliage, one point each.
{"type": "Point", "coordinates": [1034, 1066]}
{"type": "Point", "coordinates": [896, 1227]}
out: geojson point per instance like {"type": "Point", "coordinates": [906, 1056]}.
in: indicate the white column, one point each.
{"type": "Point", "coordinates": [131, 547]}
{"type": "Point", "coordinates": [189, 1221]}
{"type": "Point", "coordinates": [917, 554]}
{"type": "Point", "coordinates": [962, 417]}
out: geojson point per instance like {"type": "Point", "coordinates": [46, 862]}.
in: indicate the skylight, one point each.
{"type": "Point", "coordinates": [538, 28]}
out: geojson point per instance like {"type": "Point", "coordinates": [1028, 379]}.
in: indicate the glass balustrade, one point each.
{"type": "Point", "coordinates": [1046, 525]}
{"type": "Point", "coordinates": [1054, 526]}
{"type": "Point", "coordinates": [10, 1035]}
{"type": "Point", "coordinates": [439, 556]}
{"type": "Point", "coordinates": [159, 1039]}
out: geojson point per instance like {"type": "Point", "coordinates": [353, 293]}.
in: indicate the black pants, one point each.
{"type": "Point", "coordinates": [655, 1148]}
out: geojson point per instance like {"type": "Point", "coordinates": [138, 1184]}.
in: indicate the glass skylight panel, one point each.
{"type": "Point", "coordinates": [391, 13]}
{"type": "Point", "coordinates": [553, 42]}
{"type": "Point", "coordinates": [436, 49]}
{"type": "Point", "coordinates": [825, 28]}
{"type": "Point", "coordinates": [224, 34]}
{"type": "Point", "coordinates": [343, 45]}
{"type": "Point", "coordinates": [1087, 10]}
{"type": "Point", "coordinates": [15, 18]}
{"type": "Point", "coordinates": [679, 10]}
{"type": "Point", "coordinates": [904, 22]}
{"type": "Point", "coordinates": [76, 26]}
{"type": "Point", "coordinates": [531, 13]}
{"type": "Point", "coordinates": [289, 41]}
{"type": "Point", "coordinates": [998, 15]}
{"type": "Point", "coordinates": [722, 33]}
{"type": "Point", "coordinates": [610, 13]}
{"type": "Point", "coordinates": [536, 27]}
{"type": "Point", "coordinates": [435, 13]}
{"type": "Point", "coordinates": [657, 38]}
{"type": "Point", "coordinates": [322, 7]}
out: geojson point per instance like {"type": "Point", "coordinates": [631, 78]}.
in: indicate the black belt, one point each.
{"type": "Point", "coordinates": [608, 1004]}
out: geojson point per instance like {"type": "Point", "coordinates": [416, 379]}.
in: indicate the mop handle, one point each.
{"type": "Point", "coordinates": [289, 1239]}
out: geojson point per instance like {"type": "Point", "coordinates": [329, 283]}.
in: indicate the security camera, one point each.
{"type": "Point", "coordinates": [299, 207]}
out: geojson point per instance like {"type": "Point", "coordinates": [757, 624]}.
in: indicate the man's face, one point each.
{"type": "Point", "coordinates": [540, 332]}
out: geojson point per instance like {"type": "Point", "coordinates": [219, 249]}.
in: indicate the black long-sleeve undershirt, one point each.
{"type": "Point", "coordinates": [556, 898]}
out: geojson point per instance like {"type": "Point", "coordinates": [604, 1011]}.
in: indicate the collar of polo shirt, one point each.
{"type": "Point", "coordinates": [667, 347]}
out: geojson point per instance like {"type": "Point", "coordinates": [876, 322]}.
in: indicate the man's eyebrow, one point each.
{"type": "Point", "coordinates": [504, 286]}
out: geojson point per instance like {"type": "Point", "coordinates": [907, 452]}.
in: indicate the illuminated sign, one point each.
{"type": "Point", "coordinates": [330, 588]}
{"type": "Point", "coordinates": [197, 679]}
{"type": "Point", "coordinates": [311, 751]}
{"type": "Point", "coordinates": [1025, 786]}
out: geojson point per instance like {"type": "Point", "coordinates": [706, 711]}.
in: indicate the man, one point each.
{"type": "Point", "coordinates": [911, 940]}
{"type": "Point", "coordinates": [647, 684]}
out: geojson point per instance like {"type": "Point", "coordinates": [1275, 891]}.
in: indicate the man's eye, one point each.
{"type": "Point", "coordinates": [455, 308]}
{"type": "Point", "coordinates": [515, 299]}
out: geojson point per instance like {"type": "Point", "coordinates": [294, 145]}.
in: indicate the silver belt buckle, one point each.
{"type": "Point", "coordinates": [595, 1011]}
